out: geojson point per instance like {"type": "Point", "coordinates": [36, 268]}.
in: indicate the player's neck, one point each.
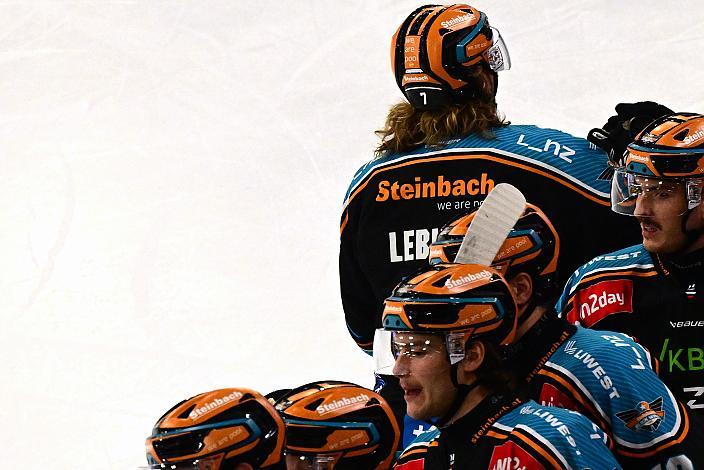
{"type": "Point", "coordinates": [471, 401]}
{"type": "Point", "coordinates": [530, 320]}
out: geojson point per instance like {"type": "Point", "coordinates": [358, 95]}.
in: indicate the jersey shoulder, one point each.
{"type": "Point", "coordinates": [566, 439]}
{"type": "Point", "coordinates": [418, 449]}
{"type": "Point", "coordinates": [610, 374]}
{"type": "Point", "coordinates": [607, 274]}
{"type": "Point", "coordinates": [561, 154]}
{"type": "Point", "coordinates": [634, 257]}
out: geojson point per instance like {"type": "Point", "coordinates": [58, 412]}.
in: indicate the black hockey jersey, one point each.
{"type": "Point", "coordinates": [503, 434]}
{"type": "Point", "coordinates": [608, 377]}
{"type": "Point", "coordinates": [657, 300]}
{"type": "Point", "coordinates": [396, 205]}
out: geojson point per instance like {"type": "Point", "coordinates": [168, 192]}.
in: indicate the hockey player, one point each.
{"type": "Point", "coordinates": [653, 291]}
{"type": "Point", "coordinates": [227, 429]}
{"type": "Point", "coordinates": [604, 375]}
{"type": "Point", "coordinates": [443, 149]}
{"type": "Point", "coordinates": [337, 425]}
{"type": "Point", "coordinates": [441, 337]}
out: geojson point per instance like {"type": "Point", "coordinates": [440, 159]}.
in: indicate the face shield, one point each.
{"type": "Point", "coordinates": [201, 464]}
{"type": "Point", "coordinates": [497, 55]}
{"type": "Point", "coordinates": [627, 189]}
{"type": "Point", "coordinates": [391, 345]}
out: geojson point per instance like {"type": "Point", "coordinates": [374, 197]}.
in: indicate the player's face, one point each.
{"type": "Point", "coordinates": [423, 368]}
{"type": "Point", "coordinates": [659, 209]}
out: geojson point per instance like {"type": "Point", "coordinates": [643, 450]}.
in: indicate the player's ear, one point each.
{"type": "Point", "coordinates": [522, 288]}
{"type": "Point", "coordinates": [473, 358]}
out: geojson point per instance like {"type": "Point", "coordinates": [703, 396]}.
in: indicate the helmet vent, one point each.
{"type": "Point", "coordinates": [441, 282]}
{"type": "Point", "coordinates": [312, 406]}
{"type": "Point", "coordinates": [187, 412]}
{"type": "Point", "coordinates": [681, 135]}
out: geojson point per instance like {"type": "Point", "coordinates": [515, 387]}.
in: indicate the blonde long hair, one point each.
{"type": "Point", "coordinates": [407, 127]}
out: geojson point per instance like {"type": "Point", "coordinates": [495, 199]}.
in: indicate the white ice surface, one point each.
{"type": "Point", "coordinates": [171, 174]}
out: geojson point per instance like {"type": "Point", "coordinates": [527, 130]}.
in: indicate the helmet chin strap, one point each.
{"type": "Point", "coordinates": [462, 392]}
{"type": "Point", "coordinates": [692, 235]}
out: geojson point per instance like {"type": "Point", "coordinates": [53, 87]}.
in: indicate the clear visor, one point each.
{"type": "Point", "coordinates": [497, 55]}
{"type": "Point", "coordinates": [204, 464]}
{"type": "Point", "coordinates": [310, 462]}
{"type": "Point", "coordinates": [629, 190]}
{"type": "Point", "coordinates": [391, 345]}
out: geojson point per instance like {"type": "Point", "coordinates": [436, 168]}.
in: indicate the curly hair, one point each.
{"type": "Point", "coordinates": [407, 127]}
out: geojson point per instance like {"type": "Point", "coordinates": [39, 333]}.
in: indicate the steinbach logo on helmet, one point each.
{"type": "Point", "coordinates": [343, 402]}
{"type": "Point", "coordinates": [649, 138]}
{"type": "Point", "coordinates": [462, 280]}
{"type": "Point", "coordinates": [639, 158]}
{"type": "Point", "coordinates": [694, 137]}
{"type": "Point", "coordinates": [457, 20]}
{"type": "Point", "coordinates": [218, 402]}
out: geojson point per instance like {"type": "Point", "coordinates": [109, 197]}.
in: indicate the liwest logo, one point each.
{"type": "Point", "coordinates": [553, 420]}
{"type": "Point", "coordinates": [623, 256]}
{"type": "Point", "coordinates": [342, 403]}
{"type": "Point", "coordinates": [600, 300]}
{"type": "Point", "coordinates": [592, 364]}
{"type": "Point", "coordinates": [419, 189]}
{"type": "Point", "coordinates": [466, 279]}
{"type": "Point", "coordinates": [218, 402]}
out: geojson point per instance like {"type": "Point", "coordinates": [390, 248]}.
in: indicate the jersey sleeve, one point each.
{"type": "Point", "coordinates": [553, 438]}
{"type": "Point", "coordinates": [563, 302]}
{"type": "Point", "coordinates": [612, 375]}
{"type": "Point", "coordinates": [358, 298]}
{"type": "Point", "coordinates": [414, 455]}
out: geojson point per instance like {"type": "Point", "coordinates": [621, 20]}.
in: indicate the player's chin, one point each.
{"type": "Point", "coordinates": [415, 408]}
{"type": "Point", "coordinates": [664, 245]}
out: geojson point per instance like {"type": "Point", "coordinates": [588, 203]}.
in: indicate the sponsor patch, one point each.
{"type": "Point", "coordinates": [417, 464]}
{"type": "Point", "coordinates": [551, 396]}
{"type": "Point", "coordinates": [509, 456]}
{"type": "Point", "coordinates": [600, 300]}
{"type": "Point", "coordinates": [646, 416]}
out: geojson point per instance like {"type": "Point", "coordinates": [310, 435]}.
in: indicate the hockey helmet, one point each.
{"type": "Point", "coordinates": [216, 431]}
{"type": "Point", "coordinates": [532, 246]}
{"type": "Point", "coordinates": [436, 50]}
{"type": "Point", "coordinates": [667, 156]}
{"type": "Point", "coordinates": [340, 425]}
{"type": "Point", "coordinates": [461, 302]}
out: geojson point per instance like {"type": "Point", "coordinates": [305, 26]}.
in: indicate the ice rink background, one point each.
{"type": "Point", "coordinates": [171, 179]}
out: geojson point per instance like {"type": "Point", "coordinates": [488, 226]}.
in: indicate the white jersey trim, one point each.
{"type": "Point", "coordinates": [610, 268]}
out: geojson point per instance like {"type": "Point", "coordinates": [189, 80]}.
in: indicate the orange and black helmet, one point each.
{"type": "Point", "coordinates": [332, 424]}
{"type": "Point", "coordinates": [216, 431]}
{"type": "Point", "coordinates": [436, 50]}
{"type": "Point", "coordinates": [667, 154]}
{"type": "Point", "coordinates": [470, 299]}
{"type": "Point", "coordinates": [670, 147]}
{"type": "Point", "coordinates": [532, 246]}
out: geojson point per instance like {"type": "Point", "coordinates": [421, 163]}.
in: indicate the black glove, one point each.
{"type": "Point", "coordinates": [620, 130]}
